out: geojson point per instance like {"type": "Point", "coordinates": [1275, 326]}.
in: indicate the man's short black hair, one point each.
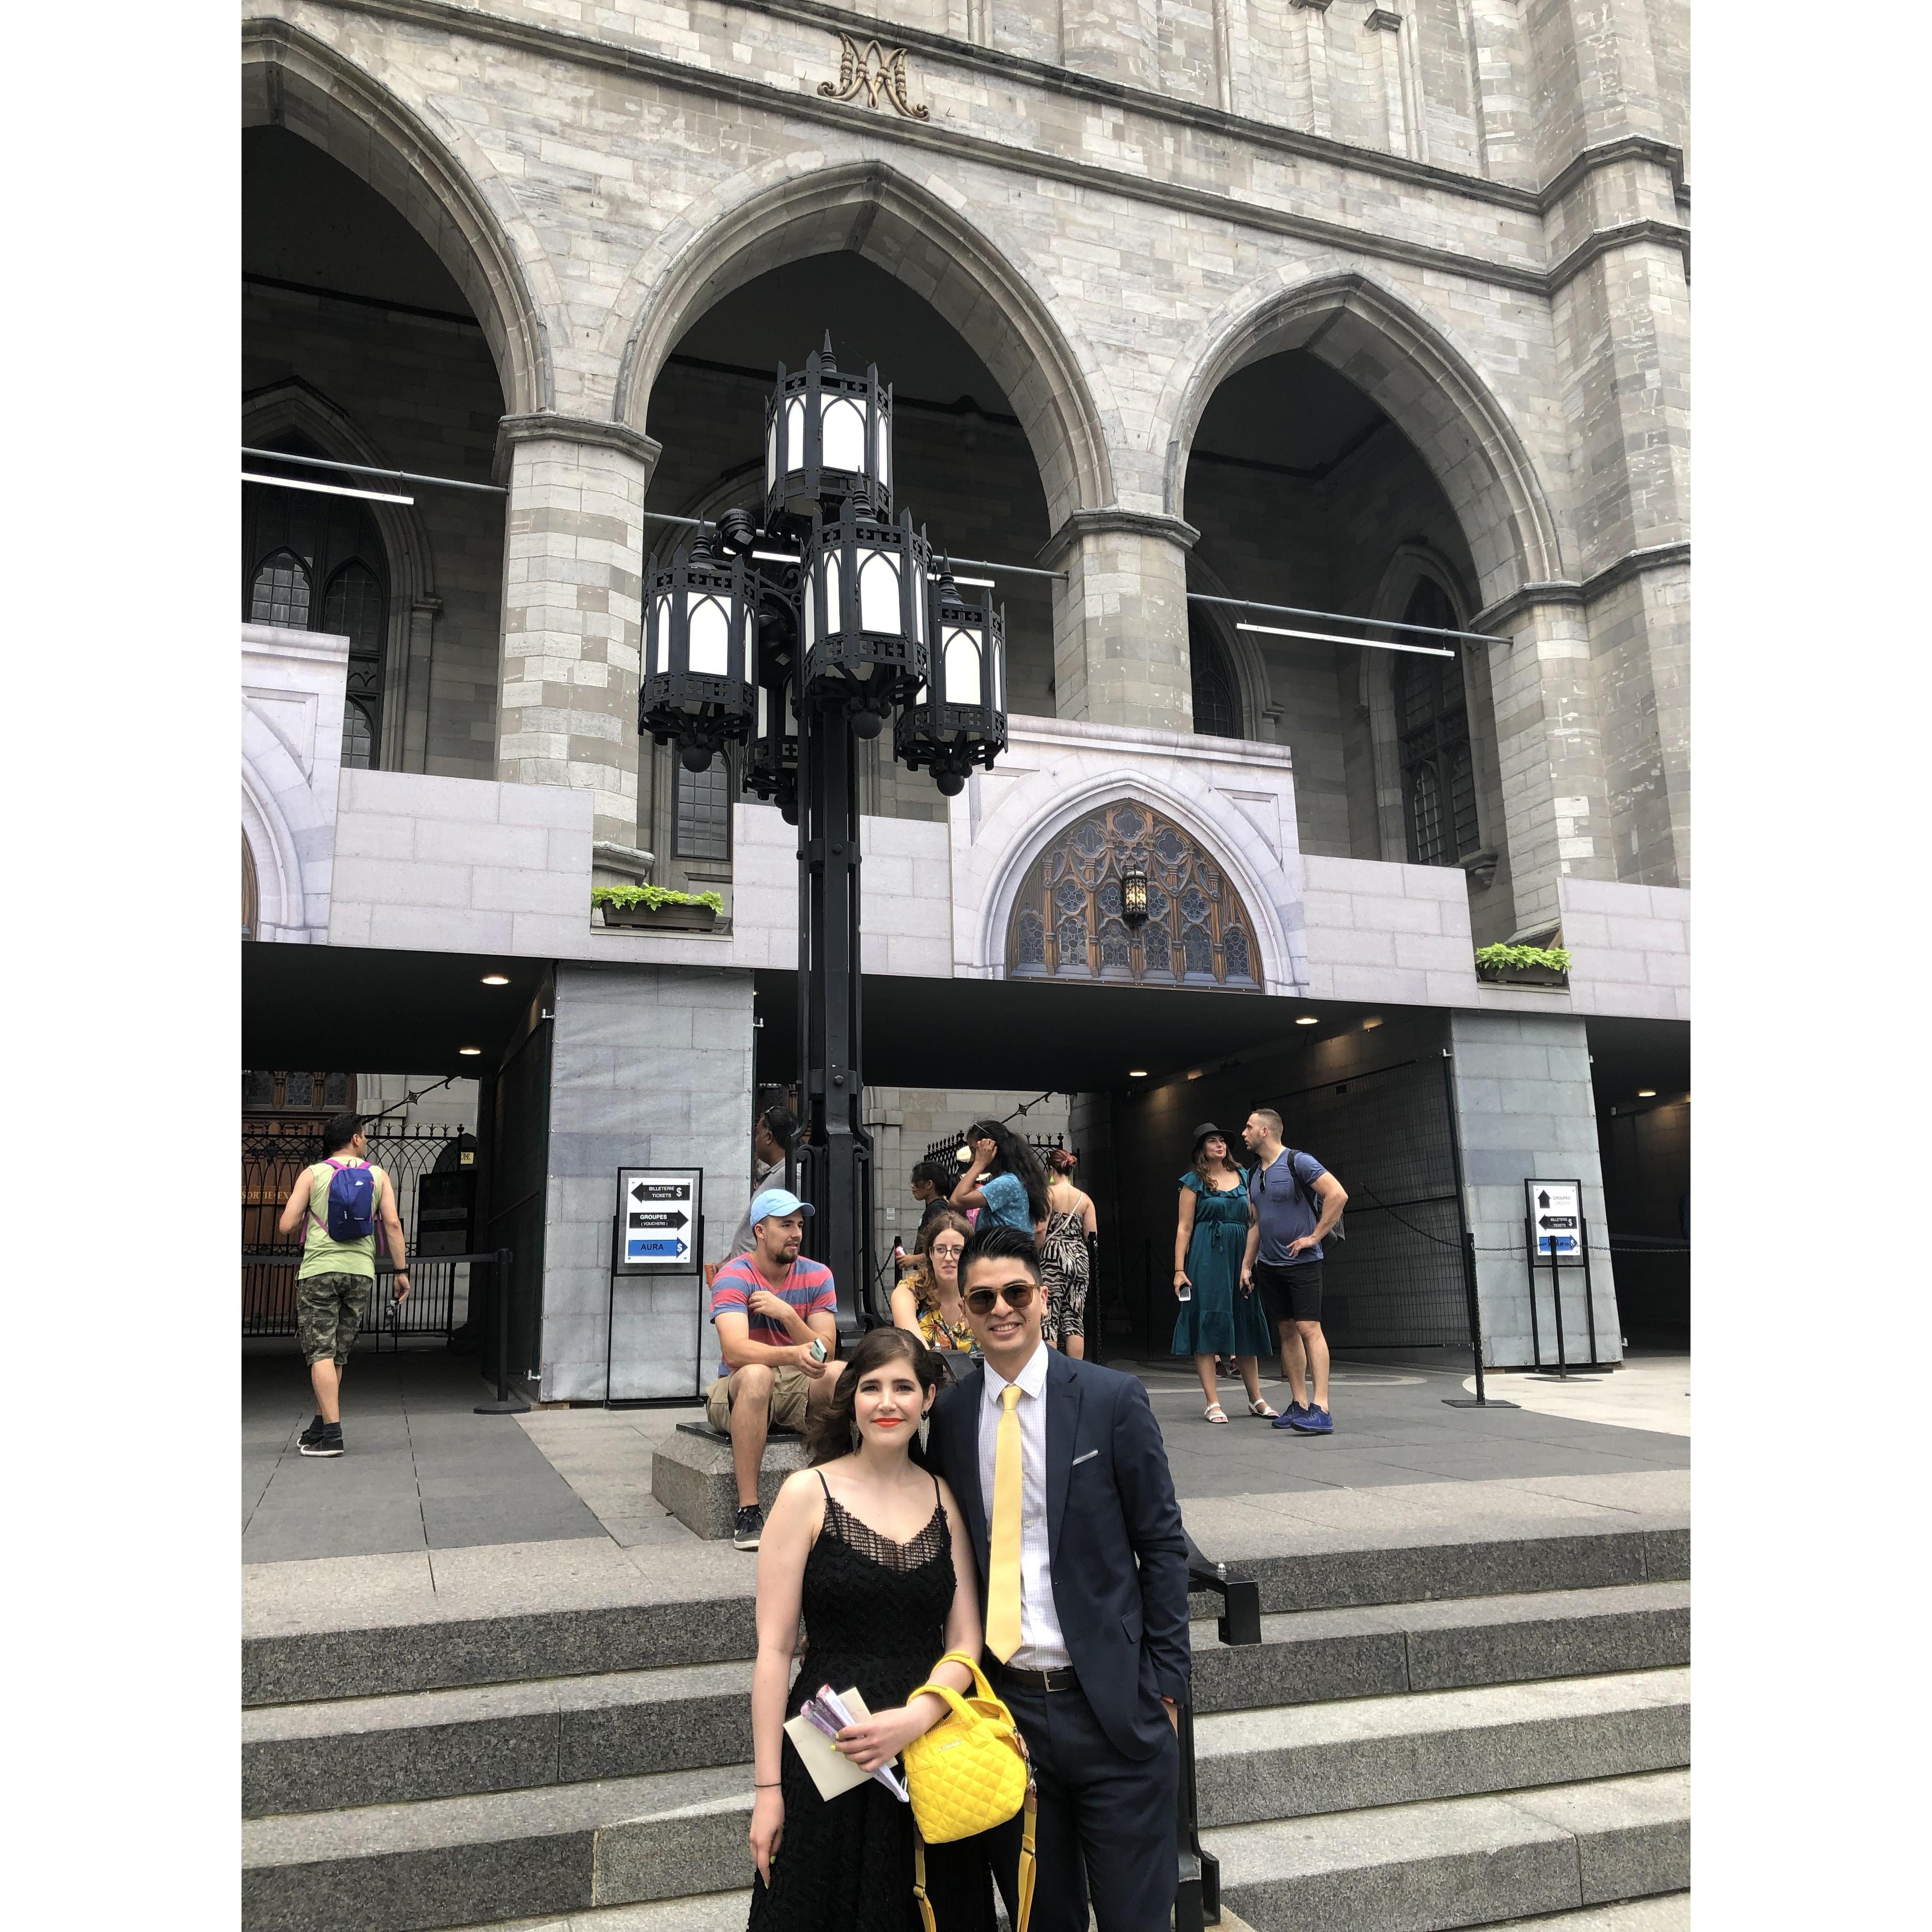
{"type": "Point", "coordinates": [995, 1241]}
{"type": "Point", "coordinates": [780, 1122]}
{"type": "Point", "coordinates": [338, 1130]}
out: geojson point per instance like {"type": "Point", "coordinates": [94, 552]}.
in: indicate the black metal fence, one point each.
{"type": "Point", "coordinates": [948, 1147]}
{"type": "Point", "coordinates": [438, 1296]}
{"type": "Point", "coordinates": [1396, 1282]}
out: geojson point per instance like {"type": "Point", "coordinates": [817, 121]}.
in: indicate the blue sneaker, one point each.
{"type": "Point", "coordinates": [1292, 1416]}
{"type": "Point", "coordinates": [1313, 1421]}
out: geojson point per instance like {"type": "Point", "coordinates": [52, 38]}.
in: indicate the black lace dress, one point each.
{"type": "Point", "coordinates": [875, 1617]}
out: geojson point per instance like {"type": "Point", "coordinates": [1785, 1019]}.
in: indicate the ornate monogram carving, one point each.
{"type": "Point", "coordinates": [877, 72]}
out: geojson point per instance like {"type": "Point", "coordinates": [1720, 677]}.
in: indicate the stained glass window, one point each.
{"type": "Point", "coordinates": [703, 830]}
{"type": "Point", "coordinates": [279, 594]}
{"type": "Point", "coordinates": [1217, 711]}
{"type": "Point", "coordinates": [1067, 921]}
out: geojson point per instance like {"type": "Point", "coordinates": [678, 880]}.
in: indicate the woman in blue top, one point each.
{"type": "Point", "coordinates": [1006, 1180]}
{"type": "Point", "coordinates": [1217, 1317]}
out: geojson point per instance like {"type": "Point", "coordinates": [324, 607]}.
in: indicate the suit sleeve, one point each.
{"type": "Point", "coordinates": [1146, 1486]}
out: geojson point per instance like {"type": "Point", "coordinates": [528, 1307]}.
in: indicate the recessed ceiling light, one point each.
{"type": "Point", "coordinates": [1373, 1020]}
{"type": "Point", "coordinates": [469, 1052]}
{"type": "Point", "coordinates": [1646, 1093]}
{"type": "Point", "coordinates": [1196, 1074]}
{"type": "Point", "coordinates": [1308, 1019]}
{"type": "Point", "coordinates": [496, 979]}
{"type": "Point", "coordinates": [1137, 1073]}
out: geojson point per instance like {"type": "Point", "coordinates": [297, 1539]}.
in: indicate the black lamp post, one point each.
{"type": "Point", "coordinates": [800, 660]}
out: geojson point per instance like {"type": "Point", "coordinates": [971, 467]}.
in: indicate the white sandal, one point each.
{"type": "Point", "coordinates": [1262, 1409]}
{"type": "Point", "coordinates": [1214, 1412]}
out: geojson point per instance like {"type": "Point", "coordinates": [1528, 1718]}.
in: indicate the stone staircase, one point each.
{"type": "Point", "coordinates": [1431, 1734]}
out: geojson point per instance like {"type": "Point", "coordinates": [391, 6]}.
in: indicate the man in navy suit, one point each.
{"type": "Point", "coordinates": [1083, 1579]}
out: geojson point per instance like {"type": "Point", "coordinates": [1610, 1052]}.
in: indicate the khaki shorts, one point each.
{"type": "Point", "coordinates": [790, 1392]}
{"type": "Point", "coordinates": [329, 1310]}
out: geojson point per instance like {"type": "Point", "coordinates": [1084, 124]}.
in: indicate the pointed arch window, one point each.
{"type": "Point", "coordinates": [1217, 709]}
{"type": "Point", "coordinates": [1432, 713]}
{"type": "Point", "coordinates": [1069, 922]}
{"type": "Point", "coordinates": [292, 543]}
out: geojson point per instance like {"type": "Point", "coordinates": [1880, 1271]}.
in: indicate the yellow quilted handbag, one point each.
{"type": "Point", "coordinates": [967, 1774]}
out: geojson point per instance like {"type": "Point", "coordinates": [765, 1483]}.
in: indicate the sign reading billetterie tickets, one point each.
{"type": "Point", "coordinates": [659, 1210]}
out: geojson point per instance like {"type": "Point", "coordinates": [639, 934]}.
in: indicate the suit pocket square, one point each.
{"type": "Point", "coordinates": [1087, 1458]}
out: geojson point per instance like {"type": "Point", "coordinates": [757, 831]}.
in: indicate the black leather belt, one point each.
{"type": "Point", "coordinates": [1061, 1679]}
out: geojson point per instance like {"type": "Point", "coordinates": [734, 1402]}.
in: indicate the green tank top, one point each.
{"type": "Point", "coordinates": [321, 1256]}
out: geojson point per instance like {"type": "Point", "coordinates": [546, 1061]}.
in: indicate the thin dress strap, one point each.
{"type": "Point", "coordinates": [824, 1485]}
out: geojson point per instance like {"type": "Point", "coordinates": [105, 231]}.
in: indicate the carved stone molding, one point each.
{"type": "Point", "coordinates": [875, 71]}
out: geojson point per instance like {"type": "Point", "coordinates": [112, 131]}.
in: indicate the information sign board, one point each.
{"type": "Point", "coordinates": [1556, 1218]}
{"type": "Point", "coordinates": [660, 1213]}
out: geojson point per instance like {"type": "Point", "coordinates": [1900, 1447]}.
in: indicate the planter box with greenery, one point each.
{"type": "Point", "coordinates": [658, 906]}
{"type": "Point", "coordinates": [1523, 965]}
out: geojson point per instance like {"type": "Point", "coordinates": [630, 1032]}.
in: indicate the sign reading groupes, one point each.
{"type": "Point", "coordinates": [658, 1210]}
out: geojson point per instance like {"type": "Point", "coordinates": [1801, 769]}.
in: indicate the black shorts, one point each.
{"type": "Point", "coordinates": [1290, 1294]}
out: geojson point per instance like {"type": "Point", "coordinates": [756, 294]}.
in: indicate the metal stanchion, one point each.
{"type": "Point", "coordinates": [1472, 1299]}
{"type": "Point", "coordinates": [506, 1402]}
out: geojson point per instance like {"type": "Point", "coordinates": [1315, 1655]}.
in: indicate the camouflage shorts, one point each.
{"type": "Point", "coordinates": [329, 1310]}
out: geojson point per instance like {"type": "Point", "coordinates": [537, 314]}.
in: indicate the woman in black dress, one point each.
{"type": "Point", "coordinates": [875, 1552]}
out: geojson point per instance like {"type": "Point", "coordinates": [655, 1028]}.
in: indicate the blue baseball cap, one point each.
{"type": "Point", "coordinates": [778, 1201]}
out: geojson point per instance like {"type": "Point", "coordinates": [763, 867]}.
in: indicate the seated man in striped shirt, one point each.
{"type": "Point", "coordinates": [777, 1331]}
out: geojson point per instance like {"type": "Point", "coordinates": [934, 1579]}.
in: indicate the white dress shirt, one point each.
{"type": "Point", "coordinates": [1042, 1647]}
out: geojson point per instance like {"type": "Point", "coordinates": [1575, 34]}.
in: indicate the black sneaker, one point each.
{"type": "Point", "coordinates": [748, 1527]}
{"type": "Point", "coordinates": [313, 1433]}
{"type": "Point", "coordinates": [327, 1443]}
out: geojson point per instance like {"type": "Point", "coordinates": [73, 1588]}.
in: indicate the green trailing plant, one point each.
{"type": "Point", "coordinates": [625, 898]}
{"type": "Point", "coordinates": [1548, 958]}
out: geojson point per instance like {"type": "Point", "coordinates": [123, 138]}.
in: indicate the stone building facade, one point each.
{"type": "Point", "coordinates": [1373, 310]}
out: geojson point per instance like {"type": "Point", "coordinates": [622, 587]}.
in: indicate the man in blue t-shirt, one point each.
{"type": "Point", "coordinates": [1293, 1201]}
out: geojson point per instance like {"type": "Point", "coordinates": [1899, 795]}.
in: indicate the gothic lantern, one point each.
{"type": "Point", "coordinates": [958, 718]}
{"type": "Point", "coordinates": [828, 435]}
{"type": "Point", "coordinates": [1134, 897]}
{"type": "Point", "coordinates": [771, 767]}
{"type": "Point", "coordinates": [701, 658]}
{"type": "Point", "coordinates": [864, 592]}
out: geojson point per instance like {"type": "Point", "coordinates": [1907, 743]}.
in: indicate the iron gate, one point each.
{"type": "Point", "coordinates": [1396, 1281]}
{"type": "Point", "coordinates": [439, 1291]}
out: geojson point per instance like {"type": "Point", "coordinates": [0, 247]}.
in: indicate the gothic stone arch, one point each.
{"type": "Point", "coordinates": [1407, 365]}
{"type": "Point", "coordinates": [875, 211]}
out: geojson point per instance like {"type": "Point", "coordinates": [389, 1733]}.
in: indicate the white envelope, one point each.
{"type": "Point", "coordinates": [832, 1770]}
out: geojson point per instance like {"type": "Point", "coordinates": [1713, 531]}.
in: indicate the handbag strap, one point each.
{"type": "Point", "coordinates": [972, 1663]}
{"type": "Point", "coordinates": [1029, 1864]}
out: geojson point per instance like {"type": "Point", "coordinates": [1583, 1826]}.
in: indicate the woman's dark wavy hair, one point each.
{"type": "Point", "coordinates": [829, 1431]}
{"type": "Point", "coordinates": [1011, 1155]}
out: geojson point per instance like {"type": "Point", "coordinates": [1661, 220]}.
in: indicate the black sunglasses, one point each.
{"type": "Point", "coordinates": [1018, 1294]}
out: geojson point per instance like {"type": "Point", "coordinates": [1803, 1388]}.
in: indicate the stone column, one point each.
{"type": "Point", "coordinates": [573, 560]}
{"type": "Point", "coordinates": [1526, 1111]}
{"type": "Point", "coordinates": [1120, 653]}
{"type": "Point", "coordinates": [1549, 745]}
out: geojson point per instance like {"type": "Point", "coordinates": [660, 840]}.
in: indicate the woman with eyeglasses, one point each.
{"type": "Point", "coordinates": [926, 1302]}
{"type": "Point", "coordinates": [1217, 1316]}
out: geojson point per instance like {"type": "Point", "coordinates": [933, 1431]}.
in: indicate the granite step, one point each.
{"type": "Point", "coordinates": [439, 1862]}
{"type": "Point", "coordinates": [335, 1753]}
{"type": "Point", "coordinates": [1296, 1761]}
{"type": "Point", "coordinates": [532, 1642]}
{"type": "Point", "coordinates": [1466, 1861]}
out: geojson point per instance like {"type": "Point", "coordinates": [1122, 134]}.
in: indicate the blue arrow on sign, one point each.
{"type": "Point", "coordinates": [658, 1250]}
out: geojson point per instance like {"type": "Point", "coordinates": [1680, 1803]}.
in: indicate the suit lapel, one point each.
{"type": "Point", "coordinates": [963, 1458]}
{"type": "Point", "coordinates": [1063, 1417]}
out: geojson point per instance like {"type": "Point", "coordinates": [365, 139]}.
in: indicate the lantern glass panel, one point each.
{"type": "Point", "coordinates": [834, 602]}
{"type": "Point", "coordinates": [710, 638]}
{"type": "Point", "coordinates": [962, 666]}
{"type": "Point", "coordinates": [879, 592]}
{"type": "Point", "coordinates": [791, 450]}
{"type": "Point", "coordinates": [842, 427]}
{"type": "Point", "coordinates": [999, 679]}
{"type": "Point", "coordinates": [772, 466]}
{"type": "Point", "coordinates": [921, 590]}
{"type": "Point", "coordinates": [886, 450]}
{"type": "Point", "coordinates": [661, 658]}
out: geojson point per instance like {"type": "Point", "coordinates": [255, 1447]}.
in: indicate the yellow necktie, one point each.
{"type": "Point", "coordinates": [1003, 1581]}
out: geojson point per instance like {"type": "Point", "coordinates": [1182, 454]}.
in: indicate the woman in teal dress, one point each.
{"type": "Point", "coordinates": [1216, 1317]}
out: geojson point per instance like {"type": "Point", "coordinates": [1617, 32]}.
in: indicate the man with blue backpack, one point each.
{"type": "Point", "coordinates": [1295, 1203]}
{"type": "Point", "coordinates": [336, 1203]}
